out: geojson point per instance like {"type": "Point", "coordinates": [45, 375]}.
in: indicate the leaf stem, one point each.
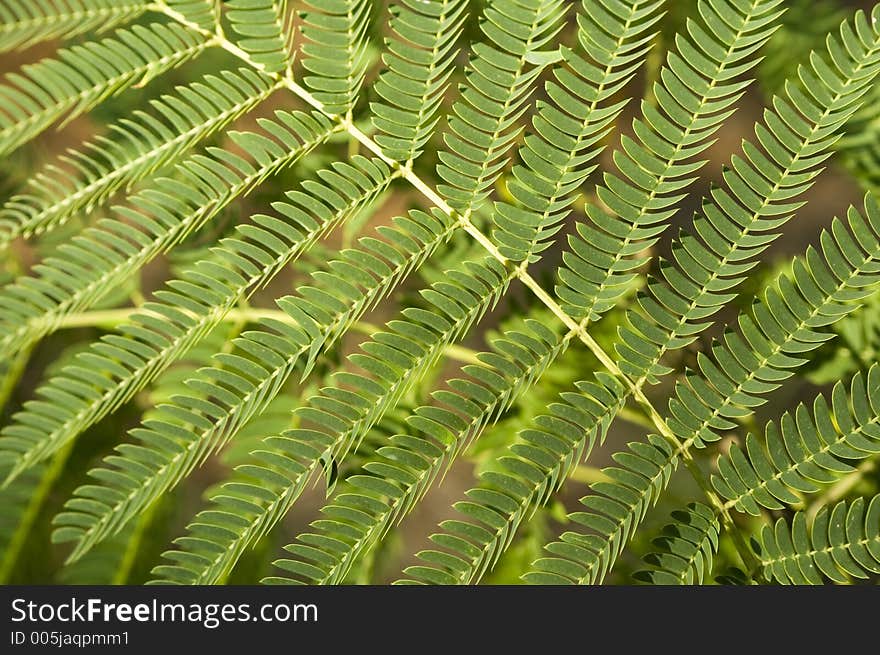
{"type": "Point", "coordinates": [110, 318]}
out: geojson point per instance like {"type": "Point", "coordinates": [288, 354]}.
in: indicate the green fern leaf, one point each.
{"type": "Point", "coordinates": [694, 94]}
{"type": "Point", "coordinates": [739, 222]}
{"type": "Point", "coordinates": [611, 516]}
{"type": "Point", "coordinates": [744, 367]}
{"type": "Point", "coordinates": [455, 144]}
{"type": "Point", "coordinates": [142, 146]}
{"type": "Point", "coordinates": [686, 548]}
{"type": "Point", "coordinates": [24, 23]}
{"type": "Point", "coordinates": [335, 52]}
{"type": "Point", "coordinates": [82, 76]}
{"type": "Point", "coordinates": [570, 123]}
{"type": "Point", "coordinates": [242, 388]}
{"type": "Point", "coordinates": [538, 463]}
{"type": "Point", "coordinates": [158, 217]}
{"type": "Point", "coordinates": [705, 265]}
{"type": "Point", "coordinates": [842, 543]}
{"type": "Point", "coordinates": [341, 416]}
{"type": "Point", "coordinates": [802, 452]}
{"type": "Point", "coordinates": [644, 18]}
{"type": "Point", "coordinates": [546, 469]}
{"type": "Point", "coordinates": [265, 32]}
{"type": "Point", "coordinates": [419, 62]}
{"type": "Point", "coordinates": [402, 471]}
{"type": "Point", "coordinates": [500, 79]}
{"type": "Point", "coordinates": [113, 562]}
{"type": "Point", "coordinates": [192, 306]}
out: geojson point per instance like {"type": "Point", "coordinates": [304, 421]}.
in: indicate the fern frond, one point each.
{"type": "Point", "coordinates": [394, 359]}
{"type": "Point", "coordinates": [500, 79]}
{"type": "Point", "coordinates": [271, 402]}
{"type": "Point", "coordinates": [708, 110]}
{"type": "Point", "coordinates": [842, 543]}
{"type": "Point", "coordinates": [349, 287]}
{"type": "Point", "coordinates": [419, 62]}
{"type": "Point", "coordinates": [188, 309]}
{"type": "Point", "coordinates": [788, 322]}
{"type": "Point", "coordinates": [686, 548]}
{"type": "Point", "coordinates": [538, 463]}
{"type": "Point", "coordinates": [735, 224]}
{"type": "Point", "coordinates": [265, 32]}
{"type": "Point", "coordinates": [403, 469]}
{"type": "Point", "coordinates": [801, 452]}
{"type": "Point", "coordinates": [246, 508]}
{"type": "Point", "coordinates": [80, 77]}
{"type": "Point", "coordinates": [24, 23]}
{"type": "Point", "coordinates": [139, 147]}
{"type": "Point", "coordinates": [112, 562]}
{"type": "Point", "coordinates": [335, 52]}
{"type": "Point", "coordinates": [571, 122]}
{"type": "Point", "coordinates": [744, 367]}
{"type": "Point", "coordinates": [694, 94]}
{"type": "Point", "coordinates": [123, 558]}
{"type": "Point", "coordinates": [611, 517]}
{"type": "Point", "coordinates": [739, 222]}
{"type": "Point", "coordinates": [242, 386]}
{"type": "Point", "coordinates": [156, 219]}
{"type": "Point", "coordinates": [203, 13]}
